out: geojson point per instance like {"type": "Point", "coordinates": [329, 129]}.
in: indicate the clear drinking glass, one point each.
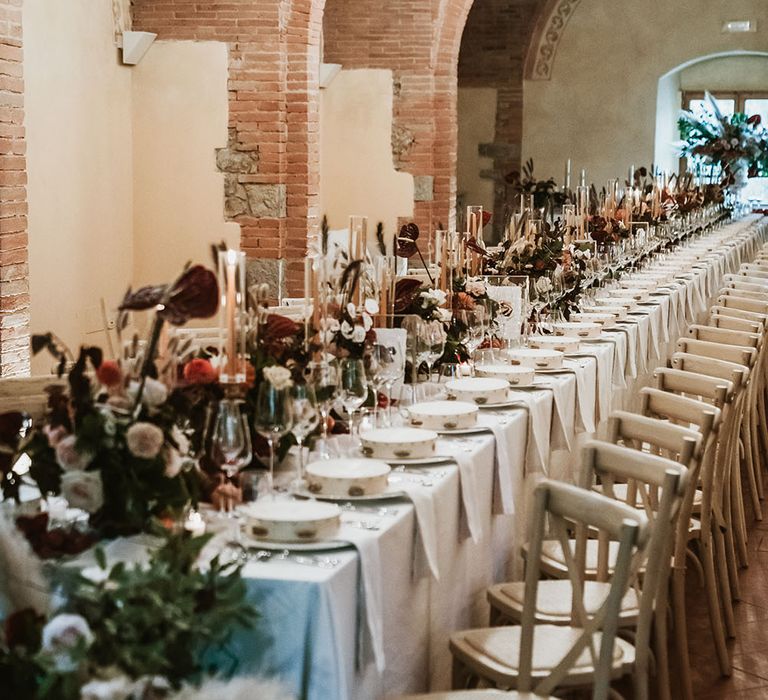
{"type": "Point", "coordinates": [306, 417]}
{"type": "Point", "coordinates": [386, 368]}
{"type": "Point", "coordinates": [273, 418]}
{"type": "Point", "coordinates": [434, 338]}
{"type": "Point", "coordinates": [353, 391]}
{"type": "Point", "coordinates": [324, 377]}
{"type": "Point", "coordinates": [231, 439]}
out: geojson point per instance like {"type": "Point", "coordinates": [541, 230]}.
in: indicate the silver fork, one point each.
{"type": "Point", "coordinates": [373, 510]}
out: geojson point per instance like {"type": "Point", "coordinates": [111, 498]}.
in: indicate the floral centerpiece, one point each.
{"type": "Point", "coordinates": [737, 143]}
{"type": "Point", "coordinates": [115, 441]}
{"type": "Point", "coordinates": [123, 631]}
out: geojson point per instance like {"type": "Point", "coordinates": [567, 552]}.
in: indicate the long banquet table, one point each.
{"type": "Point", "coordinates": [378, 625]}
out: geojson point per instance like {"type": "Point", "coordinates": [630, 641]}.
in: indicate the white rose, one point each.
{"type": "Point", "coordinates": [445, 315]}
{"type": "Point", "coordinates": [543, 284]}
{"type": "Point", "coordinates": [154, 395]}
{"type": "Point", "coordinates": [279, 377]}
{"type": "Point", "coordinates": [367, 322]}
{"type": "Point", "coordinates": [120, 688]}
{"type": "Point", "coordinates": [358, 336]}
{"type": "Point", "coordinates": [83, 490]}
{"type": "Point", "coordinates": [372, 306]}
{"type": "Point", "coordinates": [68, 457]}
{"type": "Point", "coordinates": [351, 310]}
{"type": "Point", "coordinates": [62, 636]}
{"type": "Point", "coordinates": [144, 440]}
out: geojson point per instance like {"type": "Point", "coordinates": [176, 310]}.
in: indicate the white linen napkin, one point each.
{"type": "Point", "coordinates": [586, 381]}
{"type": "Point", "coordinates": [540, 416]}
{"type": "Point", "coordinates": [370, 581]}
{"type": "Point", "coordinates": [426, 521]}
{"type": "Point", "coordinates": [470, 490]}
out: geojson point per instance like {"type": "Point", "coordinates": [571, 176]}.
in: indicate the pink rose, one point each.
{"type": "Point", "coordinates": [68, 456]}
{"type": "Point", "coordinates": [54, 435]}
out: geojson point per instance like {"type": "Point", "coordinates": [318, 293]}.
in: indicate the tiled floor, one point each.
{"type": "Point", "coordinates": [750, 648]}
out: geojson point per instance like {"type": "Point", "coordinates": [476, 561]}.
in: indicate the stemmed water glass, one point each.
{"type": "Point", "coordinates": [273, 418]}
{"type": "Point", "coordinates": [231, 439]}
{"type": "Point", "coordinates": [416, 347]}
{"type": "Point", "coordinates": [306, 418]}
{"type": "Point", "coordinates": [353, 391]}
{"type": "Point", "coordinates": [434, 340]}
{"type": "Point", "coordinates": [472, 326]}
{"type": "Point", "coordinates": [324, 377]}
{"type": "Point", "coordinates": [386, 368]}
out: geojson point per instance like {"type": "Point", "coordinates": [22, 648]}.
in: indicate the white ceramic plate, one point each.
{"type": "Point", "coordinates": [319, 546]}
{"type": "Point", "coordinates": [390, 493]}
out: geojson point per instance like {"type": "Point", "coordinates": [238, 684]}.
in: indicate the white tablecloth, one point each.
{"type": "Point", "coordinates": [313, 630]}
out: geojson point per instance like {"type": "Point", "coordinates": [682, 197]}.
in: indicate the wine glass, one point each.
{"type": "Point", "coordinates": [386, 369]}
{"type": "Point", "coordinates": [273, 418]}
{"type": "Point", "coordinates": [472, 326]}
{"type": "Point", "coordinates": [353, 390]}
{"type": "Point", "coordinates": [415, 348]}
{"type": "Point", "coordinates": [434, 339]}
{"type": "Point", "coordinates": [306, 418]}
{"type": "Point", "coordinates": [231, 439]}
{"type": "Point", "coordinates": [324, 376]}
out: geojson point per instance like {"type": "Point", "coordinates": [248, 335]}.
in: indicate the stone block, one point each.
{"type": "Point", "coordinates": [423, 188]}
{"type": "Point", "coordinates": [266, 201]}
{"type": "Point", "coordinates": [264, 271]}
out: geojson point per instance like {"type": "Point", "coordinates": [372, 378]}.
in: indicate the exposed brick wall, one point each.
{"type": "Point", "coordinates": [14, 270]}
{"type": "Point", "coordinates": [493, 52]}
{"type": "Point", "coordinates": [419, 42]}
{"type": "Point", "coordinates": [272, 163]}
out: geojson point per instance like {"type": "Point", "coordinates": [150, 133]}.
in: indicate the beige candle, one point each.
{"type": "Point", "coordinates": [231, 321]}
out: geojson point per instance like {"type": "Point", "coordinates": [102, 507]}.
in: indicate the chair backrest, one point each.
{"type": "Point", "coordinates": [735, 324]}
{"type": "Point", "coordinates": [748, 270]}
{"type": "Point", "coordinates": [738, 374]}
{"type": "Point", "coordinates": [27, 394]}
{"type": "Point", "coordinates": [718, 351]}
{"type": "Point", "coordinates": [756, 294]}
{"type": "Point", "coordinates": [745, 279]}
{"type": "Point", "coordinates": [738, 313]}
{"type": "Point", "coordinates": [742, 303]}
{"type": "Point", "coordinates": [715, 390]}
{"type": "Point", "coordinates": [746, 285]}
{"type": "Point", "coordinates": [724, 335]}
{"type": "Point", "coordinates": [564, 506]}
{"type": "Point", "coordinates": [662, 485]}
{"type": "Point", "coordinates": [663, 438]}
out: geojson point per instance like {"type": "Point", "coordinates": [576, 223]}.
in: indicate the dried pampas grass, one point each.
{"type": "Point", "coordinates": [22, 583]}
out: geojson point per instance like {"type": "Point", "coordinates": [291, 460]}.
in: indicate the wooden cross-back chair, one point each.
{"type": "Point", "coordinates": [543, 657]}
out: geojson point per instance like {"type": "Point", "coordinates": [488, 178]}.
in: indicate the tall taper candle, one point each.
{"type": "Point", "coordinates": [231, 322]}
{"type": "Point", "coordinates": [567, 181]}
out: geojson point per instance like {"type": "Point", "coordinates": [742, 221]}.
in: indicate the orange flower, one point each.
{"type": "Point", "coordinates": [199, 371]}
{"type": "Point", "coordinates": [109, 373]}
{"type": "Point", "coordinates": [464, 301]}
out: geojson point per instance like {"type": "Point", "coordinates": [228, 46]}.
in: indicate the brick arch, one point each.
{"type": "Point", "coordinates": [452, 18]}
{"type": "Point", "coordinates": [545, 39]}
{"type": "Point", "coordinates": [271, 163]}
